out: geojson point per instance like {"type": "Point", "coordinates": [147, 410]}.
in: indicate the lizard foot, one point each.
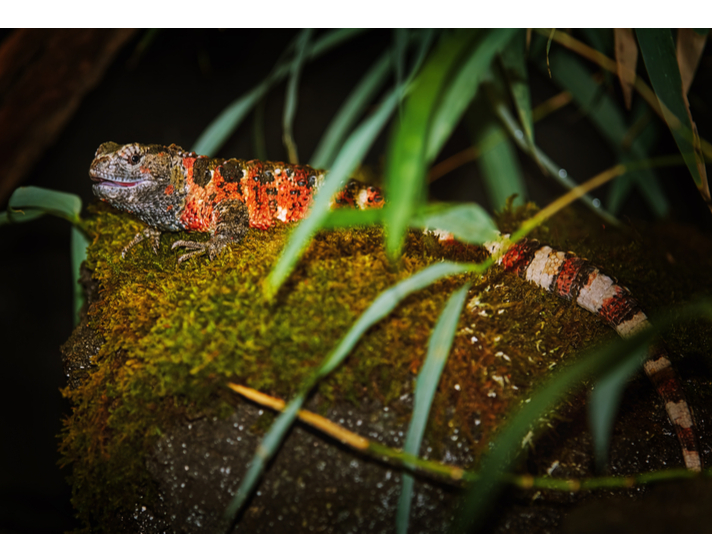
{"type": "Point", "coordinates": [212, 247]}
{"type": "Point", "coordinates": [153, 235]}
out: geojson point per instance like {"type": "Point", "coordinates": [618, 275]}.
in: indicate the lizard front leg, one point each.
{"type": "Point", "coordinates": [232, 222]}
{"type": "Point", "coordinates": [150, 233]}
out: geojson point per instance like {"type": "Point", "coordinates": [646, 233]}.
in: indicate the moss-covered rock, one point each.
{"type": "Point", "coordinates": [174, 336]}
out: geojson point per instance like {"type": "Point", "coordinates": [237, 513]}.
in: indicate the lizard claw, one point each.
{"type": "Point", "coordinates": [198, 249]}
{"type": "Point", "coordinates": [153, 235]}
{"type": "Point", "coordinates": [213, 247]}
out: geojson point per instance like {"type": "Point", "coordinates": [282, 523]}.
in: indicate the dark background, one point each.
{"type": "Point", "coordinates": [169, 94]}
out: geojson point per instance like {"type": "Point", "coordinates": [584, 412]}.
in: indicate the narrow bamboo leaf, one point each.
{"type": "Point", "coordinates": [439, 347]}
{"type": "Point", "coordinates": [230, 118]}
{"type": "Point", "coordinates": [502, 174]}
{"type": "Point", "coordinates": [605, 399]}
{"type": "Point", "coordinates": [552, 169]}
{"type": "Point", "coordinates": [79, 244]}
{"type": "Point", "coordinates": [291, 96]}
{"type": "Point", "coordinates": [626, 60]}
{"type": "Point", "coordinates": [468, 223]}
{"type": "Point", "coordinates": [603, 113]}
{"type": "Point", "coordinates": [57, 203]}
{"type": "Point", "coordinates": [600, 39]}
{"type": "Point", "coordinates": [341, 218]}
{"type": "Point", "coordinates": [349, 157]}
{"type": "Point", "coordinates": [498, 162]}
{"type": "Point", "coordinates": [227, 122]}
{"type": "Point", "coordinates": [658, 50]}
{"type": "Point", "coordinates": [690, 46]}
{"type": "Point", "coordinates": [405, 166]}
{"type": "Point", "coordinates": [351, 110]}
{"type": "Point", "coordinates": [458, 94]}
{"type": "Point", "coordinates": [645, 142]}
{"type": "Point", "coordinates": [515, 68]}
{"type": "Point", "coordinates": [425, 36]}
{"type": "Point", "coordinates": [400, 46]}
{"type": "Point", "coordinates": [381, 307]}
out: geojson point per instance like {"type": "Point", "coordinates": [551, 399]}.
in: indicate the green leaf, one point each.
{"type": "Point", "coordinates": [515, 68]}
{"type": "Point", "coordinates": [498, 161]}
{"type": "Point", "coordinates": [468, 223]}
{"type": "Point", "coordinates": [290, 104]}
{"type": "Point", "coordinates": [344, 217]}
{"type": "Point", "coordinates": [29, 199]}
{"type": "Point", "coordinates": [658, 50]}
{"type": "Point", "coordinates": [78, 244]}
{"type": "Point", "coordinates": [19, 216]}
{"type": "Point", "coordinates": [604, 400]}
{"type": "Point", "coordinates": [230, 118]}
{"type": "Point", "coordinates": [458, 94]}
{"type": "Point", "coordinates": [428, 379]}
{"type": "Point", "coordinates": [381, 307]}
{"type": "Point", "coordinates": [349, 157]}
{"type": "Point", "coordinates": [405, 172]}
{"type": "Point", "coordinates": [608, 119]}
{"type": "Point", "coordinates": [644, 143]}
{"type": "Point", "coordinates": [351, 110]}
{"type": "Point", "coordinates": [554, 170]}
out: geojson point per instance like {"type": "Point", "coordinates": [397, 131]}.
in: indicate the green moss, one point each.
{"type": "Point", "coordinates": [174, 335]}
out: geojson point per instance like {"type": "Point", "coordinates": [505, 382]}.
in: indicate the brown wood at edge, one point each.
{"type": "Point", "coordinates": [44, 74]}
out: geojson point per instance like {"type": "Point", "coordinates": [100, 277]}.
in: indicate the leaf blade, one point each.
{"type": "Point", "coordinates": [439, 347]}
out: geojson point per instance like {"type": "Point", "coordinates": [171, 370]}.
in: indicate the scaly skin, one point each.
{"type": "Point", "coordinates": [171, 190]}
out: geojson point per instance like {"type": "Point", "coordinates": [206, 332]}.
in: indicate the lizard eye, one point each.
{"type": "Point", "coordinates": [135, 159]}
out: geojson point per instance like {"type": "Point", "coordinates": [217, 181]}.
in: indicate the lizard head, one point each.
{"type": "Point", "coordinates": [146, 180]}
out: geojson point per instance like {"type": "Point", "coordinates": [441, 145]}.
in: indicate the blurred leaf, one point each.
{"type": "Point", "coordinates": [343, 217]}
{"type": "Point", "coordinates": [29, 199]}
{"type": "Point", "coordinates": [608, 120]}
{"type": "Point", "coordinates": [400, 46]}
{"type": "Point", "coordinates": [599, 38]}
{"type": "Point", "coordinates": [352, 108]}
{"type": "Point", "coordinates": [546, 164]}
{"type": "Point", "coordinates": [515, 69]}
{"type": "Point", "coordinates": [626, 60]}
{"type": "Point", "coordinates": [645, 141]}
{"type": "Point", "coordinates": [291, 97]}
{"type": "Point", "coordinates": [19, 216]}
{"type": "Point", "coordinates": [604, 400]}
{"type": "Point", "coordinates": [439, 347]}
{"type": "Point", "coordinates": [349, 157]}
{"type": "Point", "coordinates": [703, 31]}
{"type": "Point", "coordinates": [381, 307]}
{"type": "Point", "coordinates": [405, 162]}
{"type": "Point", "coordinates": [498, 162]}
{"type": "Point", "coordinates": [230, 118]}
{"type": "Point", "coordinates": [658, 50]}
{"type": "Point", "coordinates": [690, 46]}
{"type": "Point", "coordinates": [405, 166]}
{"type": "Point", "coordinates": [78, 244]}
{"type": "Point", "coordinates": [468, 223]}
{"type": "Point", "coordinates": [458, 94]}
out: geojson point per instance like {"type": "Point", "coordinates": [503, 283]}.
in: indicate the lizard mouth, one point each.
{"type": "Point", "coordinates": [100, 181]}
